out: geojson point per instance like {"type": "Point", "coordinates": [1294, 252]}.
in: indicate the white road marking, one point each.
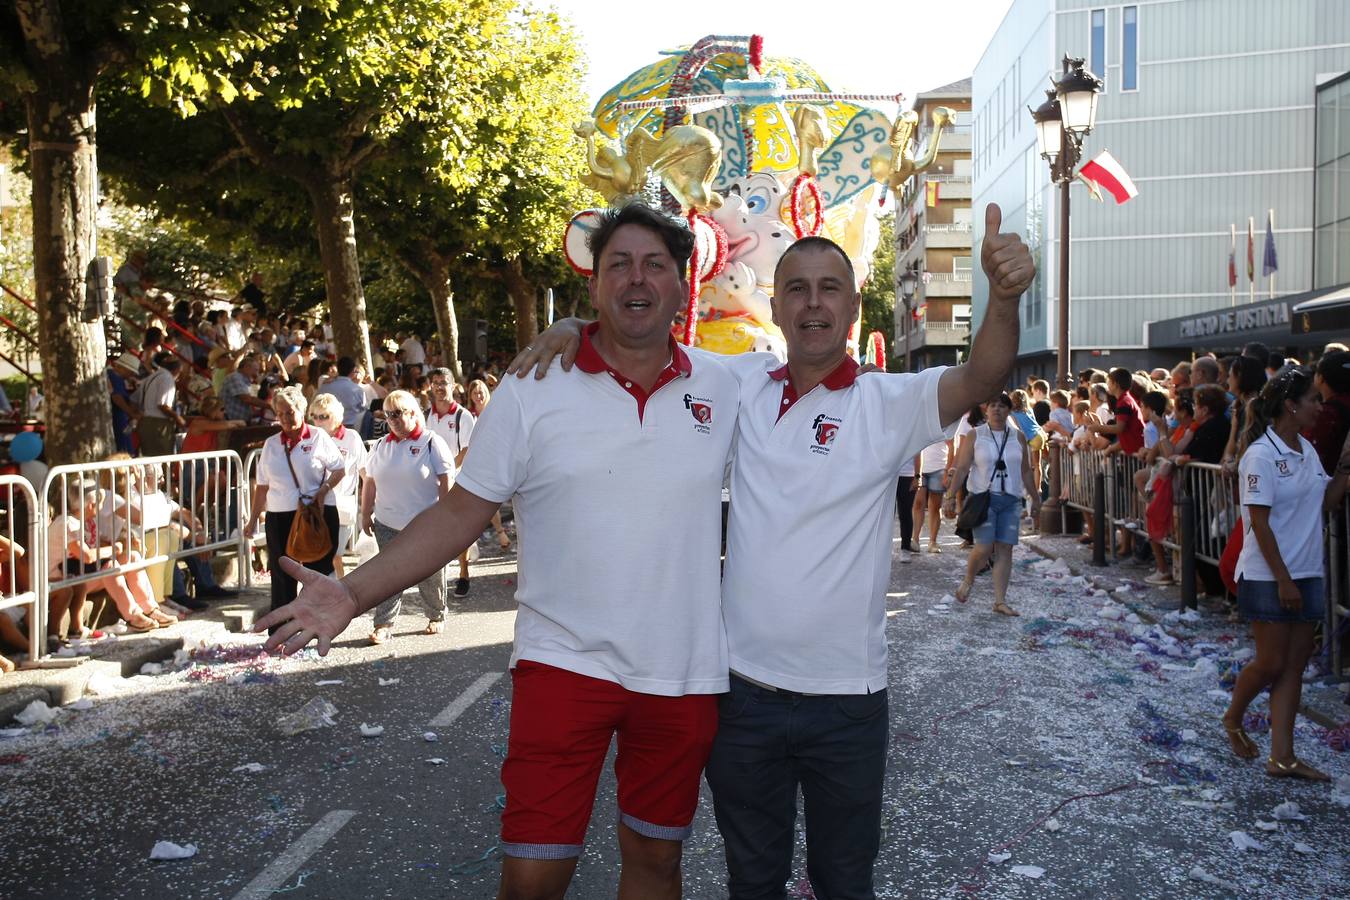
{"type": "Point", "coordinates": [465, 700]}
{"type": "Point", "coordinates": [280, 870]}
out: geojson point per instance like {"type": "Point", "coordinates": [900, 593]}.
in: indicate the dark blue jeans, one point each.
{"type": "Point", "coordinates": [768, 744]}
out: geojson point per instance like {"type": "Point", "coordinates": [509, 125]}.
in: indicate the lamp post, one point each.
{"type": "Point", "coordinates": [1062, 121]}
{"type": "Point", "coordinates": [908, 282]}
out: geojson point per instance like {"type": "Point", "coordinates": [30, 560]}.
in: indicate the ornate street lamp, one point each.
{"type": "Point", "coordinates": [909, 281]}
{"type": "Point", "coordinates": [1062, 121]}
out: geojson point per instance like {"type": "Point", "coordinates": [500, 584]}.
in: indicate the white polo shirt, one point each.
{"type": "Point", "coordinates": [812, 502]}
{"type": "Point", "coordinates": [1292, 483]}
{"type": "Point", "coordinates": [314, 456]}
{"type": "Point", "coordinates": [617, 501]}
{"type": "Point", "coordinates": [934, 457]}
{"type": "Point", "coordinates": [405, 472]}
{"type": "Point", "coordinates": [353, 451]}
{"type": "Point", "coordinates": [455, 427]}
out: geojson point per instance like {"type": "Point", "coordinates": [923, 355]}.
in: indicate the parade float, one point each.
{"type": "Point", "coordinates": [754, 152]}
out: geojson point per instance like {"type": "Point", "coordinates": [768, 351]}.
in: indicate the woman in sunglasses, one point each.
{"type": "Point", "coordinates": [1284, 490]}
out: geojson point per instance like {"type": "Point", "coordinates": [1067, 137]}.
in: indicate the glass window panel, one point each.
{"type": "Point", "coordinates": [1098, 61]}
{"type": "Point", "coordinates": [1129, 67]}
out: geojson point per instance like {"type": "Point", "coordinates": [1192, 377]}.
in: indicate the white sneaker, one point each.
{"type": "Point", "coordinates": [1159, 579]}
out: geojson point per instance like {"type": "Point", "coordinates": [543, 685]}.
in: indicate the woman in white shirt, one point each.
{"type": "Point", "coordinates": [326, 411]}
{"type": "Point", "coordinates": [301, 464]}
{"type": "Point", "coordinates": [1284, 491]}
{"type": "Point", "coordinates": [996, 459]}
{"type": "Point", "coordinates": [407, 472]}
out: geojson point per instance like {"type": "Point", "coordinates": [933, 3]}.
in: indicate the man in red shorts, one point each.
{"type": "Point", "coordinates": [616, 471]}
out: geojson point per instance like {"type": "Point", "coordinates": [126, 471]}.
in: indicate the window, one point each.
{"type": "Point", "coordinates": [961, 167]}
{"type": "Point", "coordinates": [1129, 49]}
{"type": "Point", "coordinates": [1097, 62]}
{"type": "Point", "coordinates": [961, 264]}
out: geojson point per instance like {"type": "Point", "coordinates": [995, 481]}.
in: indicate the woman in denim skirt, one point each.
{"type": "Point", "coordinates": [1284, 491]}
{"type": "Point", "coordinates": [998, 462]}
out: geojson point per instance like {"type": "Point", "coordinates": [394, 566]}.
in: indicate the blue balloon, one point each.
{"type": "Point", "coordinates": [27, 445]}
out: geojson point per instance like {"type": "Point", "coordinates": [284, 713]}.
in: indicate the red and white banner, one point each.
{"type": "Point", "coordinates": [1111, 176]}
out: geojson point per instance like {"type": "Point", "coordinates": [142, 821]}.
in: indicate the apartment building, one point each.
{"type": "Point", "coordinates": [1209, 105]}
{"type": "Point", "coordinates": [933, 240]}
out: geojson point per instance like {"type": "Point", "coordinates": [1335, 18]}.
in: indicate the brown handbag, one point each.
{"type": "Point", "coordinates": [309, 540]}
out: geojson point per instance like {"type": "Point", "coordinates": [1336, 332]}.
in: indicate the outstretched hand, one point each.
{"type": "Point", "coordinates": [323, 610]}
{"type": "Point", "coordinates": [1005, 259]}
{"type": "Point", "coordinates": [562, 338]}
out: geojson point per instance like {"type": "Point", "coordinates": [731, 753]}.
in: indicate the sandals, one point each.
{"type": "Point", "coordinates": [1243, 745]}
{"type": "Point", "coordinates": [435, 626]}
{"type": "Point", "coordinates": [963, 590]}
{"type": "Point", "coordinates": [142, 624]}
{"type": "Point", "coordinates": [1295, 769]}
{"type": "Point", "coordinates": [380, 634]}
{"type": "Point", "coordinates": [1004, 609]}
{"type": "Point", "coordinates": [162, 618]}
{"type": "Point", "coordinates": [934, 548]}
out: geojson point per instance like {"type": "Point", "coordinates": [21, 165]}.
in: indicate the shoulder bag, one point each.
{"type": "Point", "coordinates": [976, 507]}
{"type": "Point", "coordinates": [309, 540]}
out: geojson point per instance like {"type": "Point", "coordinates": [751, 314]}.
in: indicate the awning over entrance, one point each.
{"type": "Point", "coordinates": [1272, 322]}
{"type": "Point", "coordinates": [1320, 315]}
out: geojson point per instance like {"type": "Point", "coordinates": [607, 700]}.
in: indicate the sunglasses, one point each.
{"type": "Point", "coordinates": [398, 413]}
{"type": "Point", "coordinates": [321, 418]}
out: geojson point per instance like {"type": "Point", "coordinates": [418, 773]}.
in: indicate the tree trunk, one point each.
{"type": "Point", "coordinates": [70, 336]}
{"type": "Point", "coordinates": [523, 298]}
{"type": "Point", "coordinates": [437, 283]}
{"type": "Point", "coordinates": [334, 217]}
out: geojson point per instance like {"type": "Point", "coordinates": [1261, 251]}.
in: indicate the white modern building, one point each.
{"type": "Point", "coordinates": [1209, 105]}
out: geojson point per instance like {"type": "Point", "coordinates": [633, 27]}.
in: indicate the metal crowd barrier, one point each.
{"type": "Point", "coordinates": [133, 502]}
{"type": "Point", "coordinates": [22, 536]}
{"type": "Point", "coordinates": [1337, 590]}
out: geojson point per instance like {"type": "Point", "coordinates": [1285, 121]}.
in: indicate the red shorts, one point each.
{"type": "Point", "coordinates": [561, 725]}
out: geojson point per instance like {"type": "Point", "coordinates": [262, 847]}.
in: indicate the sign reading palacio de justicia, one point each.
{"type": "Point", "coordinates": [1230, 321]}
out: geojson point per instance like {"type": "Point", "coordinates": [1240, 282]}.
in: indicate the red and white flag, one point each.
{"type": "Point", "coordinates": [1111, 176]}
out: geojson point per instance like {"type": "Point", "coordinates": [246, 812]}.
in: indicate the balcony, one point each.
{"type": "Point", "coordinates": [947, 284]}
{"type": "Point", "coordinates": [939, 334]}
{"type": "Point", "coordinates": [955, 236]}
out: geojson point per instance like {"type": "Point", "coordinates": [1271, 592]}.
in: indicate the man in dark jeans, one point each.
{"type": "Point", "coordinates": [807, 568]}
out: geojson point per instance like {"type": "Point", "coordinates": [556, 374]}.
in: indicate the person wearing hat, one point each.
{"type": "Point", "coordinates": [125, 414]}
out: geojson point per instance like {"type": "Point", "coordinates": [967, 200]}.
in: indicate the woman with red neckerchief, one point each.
{"type": "Point", "coordinates": [326, 411]}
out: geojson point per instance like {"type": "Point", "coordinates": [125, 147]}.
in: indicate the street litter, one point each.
{"type": "Point", "coordinates": [36, 713]}
{"type": "Point", "coordinates": [1053, 825]}
{"type": "Point", "coordinates": [1267, 826]}
{"type": "Point", "coordinates": [385, 682]}
{"type": "Point", "coordinates": [430, 737]}
{"type": "Point", "coordinates": [1300, 847]}
{"type": "Point", "coordinates": [947, 599]}
{"type": "Point", "coordinates": [251, 768]}
{"type": "Point", "coordinates": [436, 761]}
{"type": "Point", "coordinates": [328, 681]}
{"type": "Point", "coordinates": [996, 858]}
{"type": "Point", "coordinates": [1199, 874]}
{"type": "Point", "coordinates": [1341, 792]}
{"type": "Point", "coordinates": [7, 733]}
{"type": "Point", "coordinates": [82, 704]}
{"type": "Point", "coordinates": [152, 668]}
{"type": "Point", "coordinates": [317, 713]}
{"type": "Point", "coordinates": [1028, 871]}
{"type": "Point", "coordinates": [371, 730]}
{"type": "Point", "coordinates": [1244, 841]}
{"type": "Point", "coordinates": [1288, 812]}
{"type": "Point", "coordinates": [170, 850]}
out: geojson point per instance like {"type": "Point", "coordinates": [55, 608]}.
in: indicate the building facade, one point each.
{"type": "Point", "coordinates": [1331, 183]}
{"type": "Point", "coordinates": [933, 240]}
{"type": "Point", "coordinates": [1209, 105]}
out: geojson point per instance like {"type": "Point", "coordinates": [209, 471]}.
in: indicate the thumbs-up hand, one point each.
{"type": "Point", "coordinates": [1005, 259]}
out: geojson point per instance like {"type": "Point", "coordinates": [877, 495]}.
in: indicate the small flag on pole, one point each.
{"type": "Point", "coordinates": [1103, 170]}
{"type": "Point", "coordinates": [1232, 256]}
{"type": "Point", "coordinates": [931, 192]}
{"type": "Point", "coordinates": [1251, 250]}
{"type": "Point", "coordinates": [1269, 262]}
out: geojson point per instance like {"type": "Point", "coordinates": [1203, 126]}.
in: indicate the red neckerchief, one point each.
{"type": "Point", "coordinates": [414, 436]}
{"type": "Point", "coordinates": [289, 444]}
{"type": "Point", "coordinates": [843, 375]}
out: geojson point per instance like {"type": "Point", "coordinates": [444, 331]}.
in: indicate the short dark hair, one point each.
{"type": "Point", "coordinates": [672, 232]}
{"type": "Point", "coordinates": [1121, 378]}
{"type": "Point", "coordinates": [1334, 368]}
{"type": "Point", "coordinates": [812, 241]}
{"type": "Point", "coordinates": [167, 361]}
{"type": "Point", "coordinates": [1156, 401]}
{"type": "Point", "coordinates": [1275, 362]}
{"type": "Point", "coordinates": [346, 366]}
{"type": "Point", "coordinates": [1257, 351]}
{"type": "Point", "coordinates": [441, 372]}
{"type": "Point", "coordinates": [307, 345]}
{"type": "Point", "coordinates": [1212, 397]}
{"type": "Point", "coordinates": [1251, 373]}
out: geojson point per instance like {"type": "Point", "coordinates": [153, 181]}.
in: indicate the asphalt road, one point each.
{"type": "Point", "coordinates": [995, 722]}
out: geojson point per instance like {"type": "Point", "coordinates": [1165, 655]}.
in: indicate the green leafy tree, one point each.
{"type": "Point", "coordinates": [53, 56]}
{"type": "Point", "coordinates": [878, 294]}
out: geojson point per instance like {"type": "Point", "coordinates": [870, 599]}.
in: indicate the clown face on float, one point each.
{"type": "Point", "coordinates": [755, 153]}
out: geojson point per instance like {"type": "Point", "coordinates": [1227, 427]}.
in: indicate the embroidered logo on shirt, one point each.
{"type": "Point", "coordinates": [825, 428]}
{"type": "Point", "coordinates": [1253, 483]}
{"type": "Point", "coordinates": [414, 450]}
{"type": "Point", "coordinates": [1282, 466]}
{"type": "Point", "coordinates": [701, 409]}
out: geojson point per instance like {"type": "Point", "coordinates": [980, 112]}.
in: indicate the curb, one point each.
{"type": "Point", "coordinates": [59, 685]}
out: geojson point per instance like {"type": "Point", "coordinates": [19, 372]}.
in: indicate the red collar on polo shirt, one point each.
{"type": "Point", "coordinates": [590, 361]}
{"type": "Point", "coordinates": [290, 443]}
{"type": "Point", "coordinates": [454, 408]}
{"type": "Point", "coordinates": [414, 436]}
{"type": "Point", "coordinates": [843, 375]}
{"type": "Point", "coordinates": [340, 432]}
